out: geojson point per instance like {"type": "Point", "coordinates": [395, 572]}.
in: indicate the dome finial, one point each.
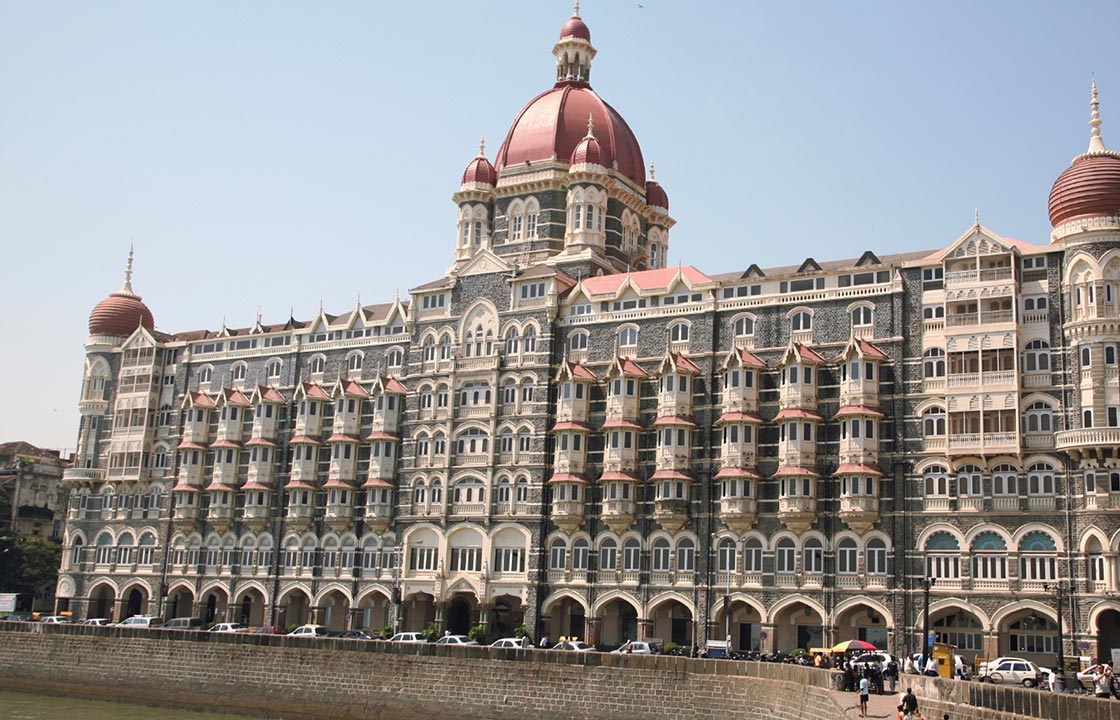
{"type": "Point", "coordinates": [652, 176]}
{"type": "Point", "coordinates": [482, 146]}
{"type": "Point", "coordinates": [590, 126]}
{"type": "Point", "coordinates": [126, 286]}
{"type": "Point", "coordinates": [575, 10]}
{"type": "Point", "coordinates": [1096, 144]}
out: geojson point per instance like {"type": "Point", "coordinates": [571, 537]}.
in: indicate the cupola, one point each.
{"type": "Point", "coordinates": [1090, 187]}
{"type": "Point", "coordinates": [122, 312]}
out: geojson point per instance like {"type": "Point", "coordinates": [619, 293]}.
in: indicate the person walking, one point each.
{"type": "Point", "coordinates": [909, 703]}
{"type": "Point", "coordinates": [544, 641]}
{"type": "Point", "coordinates": [864, 692]}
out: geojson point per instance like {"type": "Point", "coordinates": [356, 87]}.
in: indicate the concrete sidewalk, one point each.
{"type": "Point", "coordinates": [879, 707]}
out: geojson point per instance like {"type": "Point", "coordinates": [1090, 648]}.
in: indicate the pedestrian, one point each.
{"type": "Point", "coordinates": [544, 641]}
{"type": "Point", "coordinates": [864, 691]}
{"type": "Point", "coordinates": [1102, 682]}
{"type": "Point", "coordinates": [892, 675]}
{"type": "Point", "coordinates": [908, 665]}
{"type": "Point", "coordinates": [909, 703]}
{"type": "Point", "coordinates": [1055, 686]}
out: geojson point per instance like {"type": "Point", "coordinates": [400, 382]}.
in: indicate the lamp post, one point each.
{"type": "Point", "coordinates": [1060, 672]}
{"type": "Point", "coordinates": [926, 585]}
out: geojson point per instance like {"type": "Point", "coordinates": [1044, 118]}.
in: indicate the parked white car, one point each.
{"type": "Point", "coordinates": [511, 643]}
{"type": "Point", "coordinates": [230, 628]}
{"type": "Point", "coordinates": [574, 646]}
{"type": "Point", "coordinates": [1015, 671]}
{"type": "Point", "coordinates": [636, 647]}
{"type": "Point", "coordinates": [408, 637]}
{"type": "Point", "coordinates": [455, 640]}
{"type": "Point", "coordinates": [141, 621]}
{"type": "Point", "coordinates": [56, 620]}
{"type": "Point", "coordinates": [96, 622]}
{"type": "Point", "coordinates": [310, 631]}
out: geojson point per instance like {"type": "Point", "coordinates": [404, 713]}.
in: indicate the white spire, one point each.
{"type": "Point", "coordinates": [482, 147]}
{"type": "Point", "coordinates": [1096, 144]}
{"type": "Point", "coordinates": [126, 286]}
{"type": "Point", "coordinates": [575, 10]}
{"type": "Point", "coordinates": [590, 123]}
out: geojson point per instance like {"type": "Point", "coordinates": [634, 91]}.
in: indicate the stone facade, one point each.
{"type": "Point", "coordinates": [562, 433]}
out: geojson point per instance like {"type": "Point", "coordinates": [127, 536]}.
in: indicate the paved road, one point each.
{"type": "Point", "coordinates": [879, 707]}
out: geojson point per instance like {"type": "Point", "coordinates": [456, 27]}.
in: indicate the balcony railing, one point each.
{"type": "Point", "coordinates": [1087, 437]}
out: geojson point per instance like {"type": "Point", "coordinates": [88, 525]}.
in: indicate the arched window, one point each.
{"type": "Point", "coordinates": [861, 316]}
{"type": "Point", "coordinates": [557, 555]}
{"type": "Point", "coordinates": [969, 481]}
{"type": "Point", "coordinates": [205, 375]}
{"type": "Point", "coordinates": [1036, 356]}
{"type": "Point", "coordinates": [933, 422]}
{"type": "Point", "coordinates": [628, 337]}
{"type": "Point", "coordinates": [529, 340]}
{"type": "Point", "coordinates": [1005, 481]}
{"type": "Point", "coordinates": [678, 332]}
{"type": "Point", "coordinates": [513, 342]}
{"type": "Point", "coordinates": [581, 552]}
{"type": "Point", "coordinates": [274, 369]}
{"type": "Point", "coordinates": [1038, 559]}
{"type": "Point", "coordinates": [631, 556]}
{"type": "Point", "coordinates": [1040, 480]}
{"type": "Point", "coordinates": [419, 494]}
{"type": "Point", "coordinates": [933, 363]}
{"type": "Point", "coordinates": [660, 555]}
{"type": "Point", "coordinates": [395, 358]}
{"type": "Point", "coordinates": [943, 557]}
{"type": "Point", "coordinates": [318, 365]}
{"type": "Point", "coordinates": [437, 492]}
{"type": "Point", "coordinates": [936, 480]}
{"type": "Point", "coordinates": [813, 556]}
{"type": "Point", "coordinates": [801, 321]}
{"type": "Point", "coordinates": [1039, 418]}
{"type": "Point", "coordinates": [726, 555]}
{"type": "Point", "coordinates": [608, 555]}
{"type": "Point", "coordinates": [876, 554]}
{"type": "Point", "coordinates": [752, 556]}
{"type": "Point", "coordinates": [785, 556]}
{"type": "Point", "coordinates": [989, 557]}
{"type": "Point", "coordinates": [354, 362]}
{"type": "Point", "coordinates": [744, 327]}
{"type": "Point", "coordinates": [686, 555]}
{"type": "Point", "coordinates": [847, 557]}
{"type": "Point", "coordinates": [240, 370]}
{"type": "Point", "coordinates": [578, 341]}
{"type": "Point", "coordinates": [445, 347]}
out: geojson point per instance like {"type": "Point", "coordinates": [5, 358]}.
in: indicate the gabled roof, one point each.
{"type": "Point", "coordinates": [796, 414]}
{"type": "Point", "coordinates": [809, 266]}
{"type": "Point", "coordinates": [738, 417]}
{"type": "Point", "coordinates": [868, 258]}
{"type": "Point", "coordinates": [803, 354]}
{"type": "Point", "coordinates": [677, 362]}
{"type": "Point", "coordinates": [350, 388]}
{"type": "Point", "coordinates": [199, 400]}
{"type": "Point", "coordinates": [743, 358]}
{"type": "Point", "coordinates": [855, 469]}
{"type": "Point", "coordinates": [229, 396]}
{"type": "Point", "coordinates": [858, 411]}
{"type": "Point", "coordinates": [863, 349]}
{"type": "Point", "coordinates": [389, 385]}
{"type": "Point", "coordinates": [1017, 247]}
{"type": "Point", "coordinates": [753, 272]}
{"type": "Point", "coordinates": [268, 394]}
{"type": "Point", "coordinates": [311, 391]}
{"type": "Point", "coordinates": [643, 281]}
{"type": "Point", "coordinates": [626, 367]}
{"type": "Point", "coordinates": [575, 371]}
{"type": "Point", "coordinates": [790, 471]}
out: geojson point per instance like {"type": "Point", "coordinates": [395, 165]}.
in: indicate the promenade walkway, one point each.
{"type": "Point", "coordinates": [879, 707]}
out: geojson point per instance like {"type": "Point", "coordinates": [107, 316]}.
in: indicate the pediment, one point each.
{"type": "Point", "coordinates": [484, 262]}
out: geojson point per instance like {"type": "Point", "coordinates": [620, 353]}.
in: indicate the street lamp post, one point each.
{"type": "Point", "coordinates": [926, 585]}
{"type": "Point", "coordinates": [1060, 672]}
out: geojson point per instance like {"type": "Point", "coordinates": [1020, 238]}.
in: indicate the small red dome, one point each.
{"type": "Point", "coordinates": [551, 126]}
{"type": "Point", "coordinates": [655, 195]}
{"type": "Point", "coordinates": [588, 152]}
{"type": "Point", "coordinates": [480, 171]}
{"type": "Point", "coordinates": [1090, 187]}
{"type": "Point", "coordinates": [575, 28]}
{"type": "Point", "coordinates": [120, 314]}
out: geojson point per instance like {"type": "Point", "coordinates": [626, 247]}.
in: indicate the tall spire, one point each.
{"type": "Point", "coordinates": [1096, 144]}
{"type": "Point", "coordinates": [126, 286]}
{"type": "Point", "coordinates": [575, 10]}
{"type": "Point", "coordinates": [590, 117]}
{"type": "Point", "coordinates": [482, 146]}
{"type": "Point", "coordinates": [652, 176]}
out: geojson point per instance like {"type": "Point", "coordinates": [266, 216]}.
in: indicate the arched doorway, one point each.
{"type": "Point", "coordinates": [214, 606]}
{"type": "Point", "coordinates": [419, 609]}
{"type": "Point", "coordinates": [960, 629]}
{"type": "Point", "coordinates": [334, 611]}
{"type": "Point", "coordinates": [745, 626]}
{"type": "Point", "coordinates": [374, 613]}
{"type": "Point", "coordinates": [506, 615]}
{"type": "Point", "coordinates": [567, 619]}
{"type": "Point", "coordinates": [459, 616]}
{"type": "Point", "coordinates": [672, 622]}
{"type": "Point", "coordinates": [619, 623]}
{"type": "Point", "coordinates": [135, 602]}
{"type": "Point", "coordinates": [294, 609]}
{"type": "Point", "coordinates": [862, 622]}
{"type": "Point", "coordinates": [1108, 634]}
{"type": "Point", "coordinates": [180, 603]}
{"type": "Point", "coordinates": [797, 626]}
{"type": "Point", "coordinates": [1031, 635]}
{"type": "Point", "coordinates": [249, 609]}
{"type": "Point", "coordinates": [101, 602]}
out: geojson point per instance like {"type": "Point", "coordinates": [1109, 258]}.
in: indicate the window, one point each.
{"type": "Point", "coordinates": [423, 558]}
{"type": "Point", "coordinates": [752, 556]}
{"type": "Point", "coordinates": [631, 556]}
{"type": "Point", "coordinates": [608, 555]}
{"type": "Point", "coordinates": [679, 332]}
{"type": "Point", "coordinates": [318, 365]}
{"type": "Point", "coordinates": [989, 557]}
{"type": "Point", "coordinates": [1005, 481]}
{"type": "Point", "coordinates": [1085, 357]}
{"type": "Point", "coordinates": [933, 422]}
{"type": "Point", "coordinates": [513, 342]}
{"type": "Point", "coordinates": [205, 375]}
{"type": "Point", "coordinates": [936, 480]}
{"type": "Point", "coordinates": [725, 557]}
{"type": "Point", "coordinates": [354, 362]}
{"type": "Point", "coordinates": [1040, 480]}
{"type": "Point", "coordinates": [686, 556]}
{"type": "Point", "coordinates": [933, 312]}
{"type": "Point", "coordinates": [876, 557]}
{"type": "Point", "coordinates": [530, 291]}
{"type": "Point", "coordinates": [580, 555]}
{"type": "Point", "coordinates": [785, 556]}
{"type": "Point", "coordinates": [1036, 357]}
{"type": "Point", "coordinates": [466, 559]}
{"type": "Point", "coordinates": [933, 363]}
{"type": "Point", "coordinates": [1034, 263]}
{"type": "Point", "coordinates": [969, 481]}
{"type": "Point", "coordinates": [274, 369]}
{"type": "Point", "coordinates": [1039, 418]}
{"type": "Point", "coordinates": [813, 556]}
{"type": "Point", "coordinates": [861, 317]}
{"type": "Point", "coordinates": [847, 557]}
{"type": "Point", "coordinates": [578, 341]}
{"type": "Point", "coordinates": [801, 321]}
{"type": "Point", "coordinates": [660, 555]}
{"type": "Point", "coordinates": [744, 327]}
{"type": "Point", "coordinates": [239, 372]}
{"type": "Point", "coordinates": [933, 275]}
{"type": "Point", "coordinates": [529, 340]}
{"type": "Point", "coordinates": [1038, 557]}
{"type": "Point", "coordinates": [943, 557]}
{"type": "Point", "coordinates": [628, 337]}
{"type": "Point", "coordinates": [395, 358]}
{"type": "Point", "coordinates": [557, 555]}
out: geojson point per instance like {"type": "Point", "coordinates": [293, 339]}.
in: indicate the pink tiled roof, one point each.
{"type": "Point", "coordinates": [858, 410]}
{"type": "Point", "coordinates": [796, 414]}
{"type": "Point", "coordinates": [271, 395]}
{"type": "Point", "coordinates": [377, 482]}
{"type": "Point", "coordinates": [192, 446]}
{"type": "Point", "coordinates": [566, 477]}
{"type": "Point", "coordinates": [670, 475]}
{"type": "Point", "coordinates": [738, 417]}
{"type": "Point", "coordinates": [854, 469]}
{"type": "Point", "coordinates": [305, 440]}
{"type": "Point", "coordinates": [260, 442]}
{"type": "Point", "coordinates": [580, 372]}
{"type": "Point", "coordinates": [315, 392]}
{"type": "Point", "coordinates": [627, 424]}
{"type": "Point", "coordinates": [645, 280]}
{"type": "Point", "coordinates": [230, 444]}
{"type": "Point", "coordinates": [789, 471]}
{"type": "Point", "coordinates": [672, 420]}
{"type": "Point", "coordinates": [343, 437]}
{"type": "Point", "coordinates": [749, 359]}
{"type": "Point", "coordinates": [378, 435]}
{"type": "Point", "coordinates": [615, 475]}
{"type": "Point", "coordinates": [578, 426]}
{"type": "Point", "coordinates": [632, 369]}
{"type": "Point", "coordinates": [393, 386]}
{"type": "Point", "coordinates": [683, 364]}
{"type": "Point", "coordinates": [737, 472]}
{"type": "Point", "coordinates": [202, 400]}
{"type": "Point", "coordinates": [235, 397]}
{"type": "Point", "coordinates": [353, 389]}
{"type": "Point", "coordinates": [807, 355]}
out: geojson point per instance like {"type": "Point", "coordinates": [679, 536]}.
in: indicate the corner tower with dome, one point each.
{"type": "Point", "coordinates": [561, 432]}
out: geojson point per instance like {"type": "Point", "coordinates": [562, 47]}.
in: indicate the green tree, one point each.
{"type": "Point", "coordinates": [28, 566]}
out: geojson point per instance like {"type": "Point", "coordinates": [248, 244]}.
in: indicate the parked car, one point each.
{"type": "Point", "coordinates": [229, 628]}
{"type": "Point", "coordinates": [636, 647]}
{"type": "Point", "coordinates": [269, 630]}
{"type": "Point", "coordinates": [310, 631]}
{"type": "Point", "coordinates": [19, 617]}
{"type": "Point", "coordinates": [455, 640]}
{"type": "Point", "coordinates": [141, 621]}
{"type": "Point", "coordinates": [512, 643]}
{"type": "Point", "coordinates": [184, 623]}
{"type": "Point", "coordinates": [56, 620]}
{"type": "Point", "coordinates": [355, 635]}
{"type": "Point", "coordinates": [1011, 670]}
{"type": "Point", "coordinates": [873, 657]}
{"type": "Point", "coordinates": [408, 637]}
{"type": "Point", "coordinates": [96, 622]}
{"type": "Point", "coordinates": [574, 646]}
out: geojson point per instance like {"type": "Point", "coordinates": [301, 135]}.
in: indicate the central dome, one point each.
{"type": "Point", "coordinates": [550, 127]}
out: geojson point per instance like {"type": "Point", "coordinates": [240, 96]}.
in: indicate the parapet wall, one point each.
{"type": "Point", "coordinates": [286, 677]}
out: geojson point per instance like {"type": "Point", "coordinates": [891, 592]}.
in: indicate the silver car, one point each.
{"type": "Point", "coordinates": [1014, 671]}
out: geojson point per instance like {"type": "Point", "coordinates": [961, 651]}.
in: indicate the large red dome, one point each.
{"type": "Point", "coordinates": [1090, 187]}
{"type": "Point", "coordinates": [550, 127]}
{"type": "Point", "coordinates": [120, 314]}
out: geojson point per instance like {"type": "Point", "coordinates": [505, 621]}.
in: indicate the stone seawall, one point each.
{"type": "Point", "coordinates": [278, 676]}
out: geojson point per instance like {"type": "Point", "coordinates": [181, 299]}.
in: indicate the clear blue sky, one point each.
{"type": "Point", "coordinates": [271, 154]}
